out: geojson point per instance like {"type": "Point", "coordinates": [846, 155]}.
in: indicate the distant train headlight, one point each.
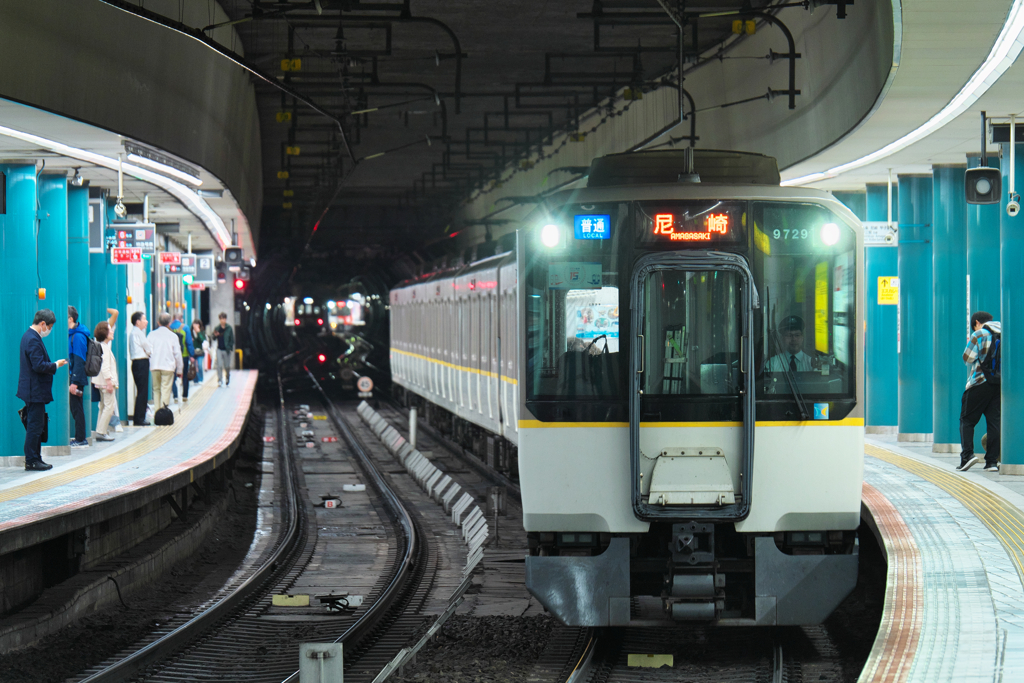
{"type": "Point", "coordinates": [550, 235]}
{"type": "Point", "coordinates": [830, 233]}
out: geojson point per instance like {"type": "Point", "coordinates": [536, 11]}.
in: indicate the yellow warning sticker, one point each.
{"type": "Point", "coordinates": [319, 417]}
{"type": "Point", "coordinates": [291, 601]}
{"type": "Point", "coordinates": [888, 291]}
{"type": "Point", "coordinates": [649, 661]}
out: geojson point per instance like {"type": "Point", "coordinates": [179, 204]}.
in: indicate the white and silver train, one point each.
{"type": "Point", "coordinates": [670, 363]}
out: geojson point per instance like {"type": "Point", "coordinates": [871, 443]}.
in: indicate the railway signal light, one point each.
{"type": "Point", "coordinates": [323, 358]}
{"type": "Point", "coordinates": [239, 285]}
{"type": "Point", "coordinates": [319, 321]}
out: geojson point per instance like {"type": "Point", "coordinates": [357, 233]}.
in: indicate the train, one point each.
{"type": "Point", "coordinates": [669, 363]}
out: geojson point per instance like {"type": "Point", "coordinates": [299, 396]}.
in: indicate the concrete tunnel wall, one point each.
{"type": "Point", "coordinates": [842, 74]}
{"type": "Point", "coordinates": [97, 64]}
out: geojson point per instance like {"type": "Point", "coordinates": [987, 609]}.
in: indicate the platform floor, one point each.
{"type": "Point", "coordinates": [138, 458]}
{"type": "Point", "coordinates": [955, 545]}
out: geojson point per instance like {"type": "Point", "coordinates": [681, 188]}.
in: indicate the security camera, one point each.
{"type": "Point", "coordinates": [120, 210]}
{"type": "Point", "coordinates": [1012, 208]}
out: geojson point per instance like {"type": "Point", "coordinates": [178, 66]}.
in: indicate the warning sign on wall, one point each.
{"type": "Point", "coordinates": [888, 291]}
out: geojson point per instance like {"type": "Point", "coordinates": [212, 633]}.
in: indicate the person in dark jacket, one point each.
{"type": "Point", "coordinates": [78, 349]}
{"type": "Point", "coordinates": [35, 383]}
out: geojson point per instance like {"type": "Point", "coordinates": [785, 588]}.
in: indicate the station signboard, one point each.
{"type": "Point", "coordinates": [125, 255]}
{"type": "Point", "coordinates": [197, 286]}
{"type": "Point", "coordinates": [206, 271]}
{"type": "Point", "coordinates": [188, 264]}
{"type": "Point", "coordinates": [170, 257]}
{"type": "Point", "coordinates": [134, 235]}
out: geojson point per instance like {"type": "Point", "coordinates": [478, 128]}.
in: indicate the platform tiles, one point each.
{"type": "Point", "coordinates": [954, 605]}
{"type": "Point", "coordinates": [203, 429]}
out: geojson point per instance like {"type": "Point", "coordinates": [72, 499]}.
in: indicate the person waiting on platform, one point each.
{"type": "Point", "coordinates": [78, 349]}
{"type": "Point", "coordinates": [982, 395]}
{"type": "Point", "coordinates": [201, 348]}
{"type": "Point", "coordinates": [139, 350]}
{"type": "Point", "coordinates": [165, 361]}
{"type": "Point", "coordinates": [225, 339]}
{"type": "Point", "coordinates": [792, 358]}
{"type": "Point", "coordinates": [35, 386]}
{"type": "Point", "coordinates": [106, 381]}
{"type": "Point", "coordinates": [187, 350]}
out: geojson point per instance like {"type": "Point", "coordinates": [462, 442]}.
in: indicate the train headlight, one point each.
{"type": "Point", "coordinates": [830, 233]}
{"type": "Point", "coordinates": [550, 235]}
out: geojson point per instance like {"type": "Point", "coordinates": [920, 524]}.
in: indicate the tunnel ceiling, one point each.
{"type": "Point", "coordinates": [434, 98]}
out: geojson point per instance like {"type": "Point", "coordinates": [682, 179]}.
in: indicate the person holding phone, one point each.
{"type": "Point", "coordinates": [35, 386]}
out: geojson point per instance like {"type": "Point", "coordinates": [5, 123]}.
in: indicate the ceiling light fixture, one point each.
{"type": "Point", "coordinates": [214, 224]}
{"type": "Point", "coordinates": [1004, 51]}
{"type": "Point", "coordinates": [164, 168]}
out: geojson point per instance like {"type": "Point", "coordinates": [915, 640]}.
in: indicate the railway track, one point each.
{"type": "Point", "coordinates": [226, 639]}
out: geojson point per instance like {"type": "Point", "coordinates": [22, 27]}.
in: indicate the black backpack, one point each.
{"type": "Point", "coordinates": [164, 417]}
{"type": "Point", "coordinates": [93, 357]}
{"type": "Point", "coordinates": [991, 367]}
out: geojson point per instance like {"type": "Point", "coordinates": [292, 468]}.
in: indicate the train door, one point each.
{"type": "Point", "coordinates": [691, 400]}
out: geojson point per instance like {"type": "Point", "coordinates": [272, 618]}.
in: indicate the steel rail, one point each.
{"type": "Point", "coordinates": [396, 587]}
{"type": "Point", "coordinates": [166, 645]}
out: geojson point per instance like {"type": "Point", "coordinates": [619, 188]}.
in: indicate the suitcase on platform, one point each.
{"type": "Point", "coordinates": [164, 417]}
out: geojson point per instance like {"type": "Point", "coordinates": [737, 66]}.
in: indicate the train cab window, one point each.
{"type": "Point", "coordinates": [805, 268]}
{"type": "Point", "coordinates": [573, 304]}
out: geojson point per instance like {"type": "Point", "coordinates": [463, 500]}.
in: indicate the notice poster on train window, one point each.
{"type": "Point", "coordinates": [592, 315]}
{"type": "Point", "coordinates": [574, 275]}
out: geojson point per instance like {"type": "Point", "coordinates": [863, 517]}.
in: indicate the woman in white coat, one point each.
{"type": "Point", "coordinates": [106, 382]}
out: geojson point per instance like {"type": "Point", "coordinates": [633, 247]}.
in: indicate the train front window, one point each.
{"type": "Point", "coordinates": [691, 329]}
{"type": "Point", "coordinates": [805, 265]}
{"type": "Point", "coordinates": [573, 307]}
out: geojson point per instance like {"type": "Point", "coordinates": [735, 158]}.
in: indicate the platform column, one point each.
{"type": "Point", "coordinates": [949, 303]}
{"type": "Point", "coordinates": [99, 263]}
{"type": "Point", "coordinates": [881, 366]}
{"type": "Point", "coordinates": [18, 303]}
{"type": "Point", "coordinates": [914, 330]}
{"type": "Point", "coordinates": [79, 284]}
{"type": "Point", "coordinates": [53, 276]}
{"type": "Point", "coordinates": [1011, 252]}
{"type": "Point", "coordinates": [982, 268]}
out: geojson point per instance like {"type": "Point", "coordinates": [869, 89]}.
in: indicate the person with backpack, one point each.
{"type": "Point", "coordinates": [78, 353]}
{"type": "Point", "coordinates": [984, 356]}
{"type": "Point", "coordinates": [165, 361]}
{"type": "Point", "coordinates": [187, 351]}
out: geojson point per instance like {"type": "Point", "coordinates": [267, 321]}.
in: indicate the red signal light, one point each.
{"type": "Point", "coordinates": [297, 322]}
{"type": "Point", "coordinates": [323, 358]}
{"type": "Point", "coordinates": [319, 321]}
{"type": "Point", "coordinates": [239, 285]}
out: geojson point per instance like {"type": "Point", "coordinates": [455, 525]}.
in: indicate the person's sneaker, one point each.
{"type": "Point", "coordinates": [185, 399]}
{"type": "Point", "coordinates": [79, 444]}
{"type": "Point", "coordinates": [994, 467]}
{"type": "Point", "coordinates": [38, 467]}
{"type": "Point", "coordinates": [103, 437]}
{"type": "Point", "coordinates": [967, 463]}
{"type": "Point", "coordinates": [119, 428]}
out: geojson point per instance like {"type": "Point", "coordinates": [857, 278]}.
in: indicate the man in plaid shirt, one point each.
{"type": "Point", "coordinates": [981, 397]}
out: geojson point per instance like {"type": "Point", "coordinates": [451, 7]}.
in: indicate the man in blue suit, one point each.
{"type": "Point", "coordinates": [35, 382]}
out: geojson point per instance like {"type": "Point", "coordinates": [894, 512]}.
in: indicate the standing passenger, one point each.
{"type": "Point", "coordinates": [35, 384]}
{"type": "Point", "coordinates": [139, 350]}
{"type": "Point", "coordinates": [78, 349]}
{"type": "Point", "coordinates": [982, 395]}
{"type": "Point", "coordinates": [185, 334]}
{"type": "Point", "coordinates": [200, 345]}
{"type": "Point", "coordinates": [106, 381]}
{"type": "Point", "coordinates": [225, 337]}
{"type": "Point", "coordinates": [165, 361]}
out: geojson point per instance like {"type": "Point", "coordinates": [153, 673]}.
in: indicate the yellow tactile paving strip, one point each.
{"type": "Point", "coordinates": [1002, 518]}
{"type": "Point", "coordinates": [147, 444]}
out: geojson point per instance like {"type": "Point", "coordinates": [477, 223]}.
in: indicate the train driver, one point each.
{"type": "Point", "coordinates": [793, 358]}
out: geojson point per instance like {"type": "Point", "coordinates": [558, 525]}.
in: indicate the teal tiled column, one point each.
{"type": "Point", "coordinates": [881, 358]}
{"type": "Point", "coordinates": [53, 275]}
{"type": "Point", "coordinates": [79, 284]}
{"type": "Point", "coordinates": [915, 310]}
{"type": "Point", "coordinates": [19, 302]}
{"type": "Point", "coordinates": [1011, 252]}
{"type": "Point", "coordinates": [949, 303]}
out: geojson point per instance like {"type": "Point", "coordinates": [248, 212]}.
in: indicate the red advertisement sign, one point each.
{"type": "Point", "coordinates": [122, 255]}
{"type": "Point", "coordinates": [172, 257]}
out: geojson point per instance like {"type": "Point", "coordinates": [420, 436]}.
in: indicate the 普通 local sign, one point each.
{"type": "Point", "coordinates": [123, 255]}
